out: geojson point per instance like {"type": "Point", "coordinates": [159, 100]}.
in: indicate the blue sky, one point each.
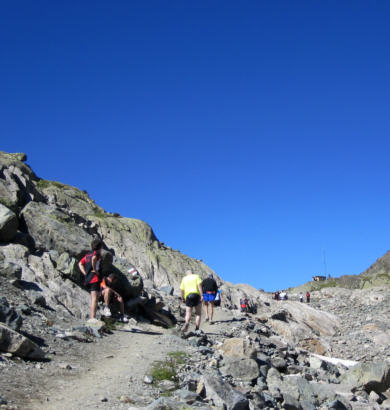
{"type": "Point", "coordinates": [253, 135]}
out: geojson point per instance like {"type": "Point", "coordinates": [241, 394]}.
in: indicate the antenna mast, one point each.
{"type": "Point", "coordinates": [324, 261]}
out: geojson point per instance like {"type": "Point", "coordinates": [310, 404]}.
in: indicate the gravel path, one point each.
{"type": "Point", "coordinates": [110, 374]}
{"type": "Point", "coordinates": [114, 371]}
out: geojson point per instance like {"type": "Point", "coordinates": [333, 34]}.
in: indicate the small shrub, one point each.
{"type": "Point", "coordinates": [164, 370]}
{"type": "Point", "coordinates": [167, 369]}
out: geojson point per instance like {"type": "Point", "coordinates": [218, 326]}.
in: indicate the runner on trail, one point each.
{"type": "Point", "coordinates": [89, 267]}
{"type": "Point", "coordinates": [191, 294]}
{"type": "Point", "coordinates": [210, 289]}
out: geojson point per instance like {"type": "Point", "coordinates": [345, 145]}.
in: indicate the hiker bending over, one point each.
{"type": "Point", "coordinates": [210, 289]}
{"type": "Point", "coordinates": [89, 267]}
{"type": "Point", "coordinates": [110, 295]}
{"type": "Point", "coordinates": [191, 294]}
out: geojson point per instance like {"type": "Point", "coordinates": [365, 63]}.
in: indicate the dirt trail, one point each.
{"type": "Point", "coordinates": [115, 367]}
{"type": "Point", "coordinates": [116, 370]}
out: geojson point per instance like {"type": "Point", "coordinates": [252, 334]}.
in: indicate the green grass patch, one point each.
{"type": "Point", "coordinates": [167, 369]}
{"type": "Point", "coordinates": [99, 213]}
{"type": "Point", "coordinates": [178, 357]}
{"type": "Point", "coordinates": [43, 183]}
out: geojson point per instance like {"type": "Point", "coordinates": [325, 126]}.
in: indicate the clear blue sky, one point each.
{"type": "Point", "coordinates": [253, 135]}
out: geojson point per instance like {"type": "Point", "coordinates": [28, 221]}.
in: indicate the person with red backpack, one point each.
{"type": "Point", "coordinates": [89, 267]}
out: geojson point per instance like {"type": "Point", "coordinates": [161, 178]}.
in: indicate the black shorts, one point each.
{"type": "Point", "coordinates": [94, 287]}
{"type": "Point", "coordinates": [192, 300]}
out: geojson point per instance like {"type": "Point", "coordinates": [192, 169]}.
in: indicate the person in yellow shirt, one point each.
{"type": "Point", "coordinates": [192, 295]}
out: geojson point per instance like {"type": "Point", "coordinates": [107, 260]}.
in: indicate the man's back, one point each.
{"type": "Point", "coordinates": [209, 285]}
{"type": "Point", "coordinates": [189, 284]}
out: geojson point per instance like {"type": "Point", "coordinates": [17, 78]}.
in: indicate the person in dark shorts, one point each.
{"type": "Point", "coordinates": [210, 289]}
{"type": "Point", "coordinates": [89, 267]}
{"type": "Point", "coordinates": [191, 294]}
{"type": "Point", "coordinates": [109, 295]}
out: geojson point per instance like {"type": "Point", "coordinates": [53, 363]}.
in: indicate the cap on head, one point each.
{"type": "Point", "coordinates": [188, 272]}
{"type": "Point", "coordinates": [210, 275]}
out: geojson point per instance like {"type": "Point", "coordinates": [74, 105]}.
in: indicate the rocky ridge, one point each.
{"type": "Point", "coordinates": [287, 355]}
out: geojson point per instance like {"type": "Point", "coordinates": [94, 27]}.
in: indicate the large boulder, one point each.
{"type": "Point", "coordinates": [368, 376]}
{"type": "Point", "coordinates": [19, 345]}
{"type": "Point", "coordinates": [222, 393]}
{"type": "Point", "coordinates": [8, 224]}
{"type": "Point", "coordinates": [17, 181]}
{"type": "Point", "coordinates": [58, 291]}
{"type": "Point", "coordinates": [53, 229]}
{"type": "Point", "coordinates": [298, 321]}
{"type": "Point", "coordinates": [238, 347]}
{"type": "Point", "coordinates": [243, 369]}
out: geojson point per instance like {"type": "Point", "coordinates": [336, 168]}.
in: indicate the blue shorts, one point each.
{"type": "Point", "coordinates": [209, 297]}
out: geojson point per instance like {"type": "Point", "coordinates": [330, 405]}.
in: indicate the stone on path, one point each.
{"type": "Point", "coordinates": [19, 345]}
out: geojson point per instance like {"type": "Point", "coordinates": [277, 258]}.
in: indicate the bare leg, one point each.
{"type": "Point", "coordinates": [107, 295]}
{"type": "Point", "coordinates": [94, 303]}
{"type": "Point", "coordinates": [211, 311]}
{"type": "Point", "coordinates": [121, 305]}
{"type": "Point", "coordinates": [206, 309]}
{"type": "Point", "coordinates": [187, 318]}
{"type": "Point", "coordinates": [198, 313]}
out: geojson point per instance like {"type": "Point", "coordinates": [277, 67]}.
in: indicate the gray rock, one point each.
{"type": "Point", "coordinates": [369, 376]}
{"type": "Point", "coordinates": [165, 403]}
{"type": "Point", "coordinates": [19, 345]}
{"type": "Point", "coordinates": [37, 298]}
{"type": "Point", "coordinates": [337, 405]}
{"type": "Point", "coordinates": [279, 363]}
{"type": "Point", "coordinates": [223, 393]}
{"type": "Point", "coordinates": [186, 396]}
{"type": "Point", "coordinates": [10, 270]}
{"type": "Point", "coordinates": [167, 289]}
{"type": "Point", "coordinates": [244, 369]}
{"type": "Point", "coordinates": [53, 229]}
{"type": "Point", "coordinates": [148, 379]}
{"type": "Point", "coordinates": [67, 265]}
{"type": "Point", "coordinates": [95, 327]}
{"type": "Point", "coordinates": [290, 403]}
{"type": "Point", "coordinates": [167, 385]}
{"type": "Point", "coordinates": [9, 316]}
{"type": "Point", "coordinates": [8, 224]}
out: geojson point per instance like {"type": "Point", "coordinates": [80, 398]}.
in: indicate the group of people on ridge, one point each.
{"type": "Point", "coordinates": [307, 297]}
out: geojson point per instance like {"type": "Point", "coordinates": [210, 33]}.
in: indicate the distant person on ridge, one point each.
{"type": "Point", "coordinates": [89, 267]}
{"type": "Point", "coordinates": [210, 289]}
{"type": "Point", "coordinates": [301, 297]}
{"type": "Point", "coordinates": [191, 294]}
{"type": "Point", "coordinates": [307, 297]}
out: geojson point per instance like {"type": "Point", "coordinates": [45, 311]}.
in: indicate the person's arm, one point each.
{"type": "Point", "coordinates": [182, 295]}
{"type": "Point", "coordinates": [82, 269]}
{"type": "Point", "coordinates": [200, 291]}
{"type": "Point", "coordinates": [94, 261]}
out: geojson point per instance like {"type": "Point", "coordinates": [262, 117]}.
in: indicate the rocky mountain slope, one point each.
{"type": "Point", "coordinates": [331, 353]}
